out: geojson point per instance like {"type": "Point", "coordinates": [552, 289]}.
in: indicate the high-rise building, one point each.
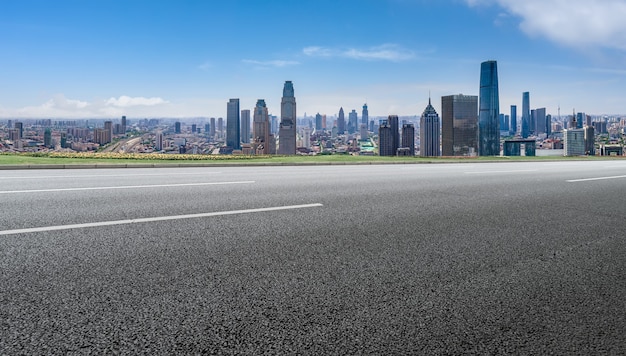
{"type": "Point", "coordinates": [261, 129]}
{"type": "Point", "coordinates": [385, 140]}
{"type": "Point", "coordinates": [394, 124]}
{"type": "Point", "coordinates": [213, 128]}
{"type": "Point", "coordinates": [14, 135]}
{"type": "Point", "coordinates": [194, 128]}
{"type": "Point", "coordinates": [220, 127]}
{"type": "Point", "coordinates": [20, 127]}
{"type": "Point", "coordinates": [548, 124]}
{"type": "Point", "coordinates": [489, 117]}
{"type": "Point", "coordinates": [245, 126]}
{"type": "Point", "coordinates": [123, 125]}
{"type": "Point", "coordinates": [589, 133]}
{"type": "Point", "coordinates": [540, 121]}
{"type": "Point", "coordinates": [365, 116]}
{"type": "Point", "coordinates": [233, 125]}
{"type": "Point", "coordinates": [459, 125]}
{"type": "Point", "coordinates": [363, 132]}
{"type": "Point", "coordinates": [580, 120]}
{"type": "Point", "coordinates": [47, 137]}
{"type": "Point", "coordinates": [513, 126]}
{"type": "Point", "coordinates": [287, 131]}
{"type": "Point", "coordinates": [318, 122]}
{"type": "Point", "coordinates": [158, 141]}
{"type": "Point", "coordinates": [429, 132]}
{"type": "Point", "coordinates": [108, 126]}
{"type": "Point", "coordinates": [306, 139]}
{"type": "Point", "coordinates": [573, 142]}
{"type": "Point", "coordinates": [177, 127]}
{"type": "Point", "coordinates": [408, 138]}
{"type": "Point", "coordinates": [341, 122]}
{"type": "Point", "coordinates": [353, 121]}
{"type": "Point", "coordinates": [526, 114]}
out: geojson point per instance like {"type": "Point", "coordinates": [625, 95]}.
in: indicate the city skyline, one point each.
{"type": "Point", "coordinates": [72, 59]}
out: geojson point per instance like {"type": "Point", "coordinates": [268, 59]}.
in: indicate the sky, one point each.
{"type": "Point", "coordinates": [152, 59]}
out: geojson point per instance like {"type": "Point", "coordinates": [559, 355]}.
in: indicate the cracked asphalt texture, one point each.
{"type": "Point", "coordinates": [478, 258]}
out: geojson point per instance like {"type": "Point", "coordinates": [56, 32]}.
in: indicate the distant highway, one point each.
{"type": "Point", "coordinates": [483, 258]}
{"type": "Point", "coordinates": [124, 146]}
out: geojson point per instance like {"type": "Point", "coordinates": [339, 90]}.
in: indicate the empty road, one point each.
{"type": "Point", "coordinates": [485, 258]}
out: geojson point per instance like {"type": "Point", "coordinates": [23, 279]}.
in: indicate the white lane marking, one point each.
{"type": "Point", "coordinates": [155, 219]}
{"type": "Point", "coordinates": [121, 187]}
{"type": "Point", "coordinates": [592, 179]}
{"type": "Point", "coordinates": [108, 175]}
{"type": "Point", "coordinates": [516, 171]}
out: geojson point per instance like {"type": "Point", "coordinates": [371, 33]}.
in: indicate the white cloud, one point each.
{"type": "Point", "coordinates": [576, 23]}
{"type": "Point", "coordinates": [317, 51]}
{"type": "Point", "coordinates": [127, 101]}
{"type": "Point", "coordinates": [61, 107]}
{"type": "Point", "coordinates": [385, 52]}
{"type": "Point", "coordinates": [274, 63]}
{"type": "Point", "coordinates": [205, 66]}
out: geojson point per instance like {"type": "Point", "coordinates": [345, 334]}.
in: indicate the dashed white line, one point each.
{"type": "Point", "coordinates": [155, 219]}
{"type": "Point", "coordinates": [592, 179]}
{"type": "Point", "coordinates": [109, 175]}
{"type": "Point", "coordinates": [516, 171]}
{"type": "Point", "coordinates": [121, 187]}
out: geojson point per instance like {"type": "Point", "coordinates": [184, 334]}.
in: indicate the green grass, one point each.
{"type": "Point", "coordinates": [50, 159]}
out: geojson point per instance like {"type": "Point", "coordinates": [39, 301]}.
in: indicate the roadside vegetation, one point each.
{"type": "Point", "coordinates": [128, 158]}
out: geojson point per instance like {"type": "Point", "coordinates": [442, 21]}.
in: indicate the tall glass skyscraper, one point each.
{"type": "Point", "coordinates": [459, 125]}
{"type": "Point", "coordinates": [394, 123]}
{"type": "Point", "coordinates": [489, 117]}
{"type": "Point", "coordinates": [287, 130]}
{"type": "Point", "coordinates": [233, 125]}
{"type": "Point", "coordinates": [365, 116]}
{"type": "Point", "coordinates": [525, 114]}
{"type": "Point", "coordinates": [429, 132]}
{"type": "Point", "coordinates": [341, 122]}
{"type": "Point", "coordinates": [245, 126]}
{"type": "Point", "coordinates": [513, 129]}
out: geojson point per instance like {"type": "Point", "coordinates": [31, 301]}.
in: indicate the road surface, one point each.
{"type": "Point", "coordinates": [486, 258]}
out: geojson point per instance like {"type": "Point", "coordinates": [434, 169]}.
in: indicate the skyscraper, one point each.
{"type": "Point", "coordinates": [365, 116]}
{"type": "Point", "coordinates": [429, 132]}
{"type": "Point", "coordinates": [108, 126]}
{"type": "Point", "coordinates": [408, 138]}
{"type": "Point", "coordinates": [220, 127]}
{"type": "Point", "coordinates": [353, 121]}
{"type": "Point", "coordinates": [20, 127]}
{"type": "Point", "coordinates": [540, 121]}
{"type": "Point", "coordinates": [459, 125]}
{"type": "Point", "coordinates": [47, 138]}
{"type": "Point", "coordinates": [341, 122]}
{"type": "Point", "coordinates": [245, 126]}
{"type": "Point", "coordinates": [393, 123]}
{"type": "Point", "coordinates": [525, 114]}
{"type": "Point", "coordinates": [287, 131]}
{"type": "Point", "coordinates": [318, 122]}
{"type": "Point", "coordinates": [385, 140]}
{"type": "Point", "coordinates": [158, 141]}
{"type": "Point", "coordinates": [489, 120]}
{"type": "Point", "coordinates": [261, 129]}
{"type": "Point", "coordinates": [177, 127]}
{"type": "Point", "coordinates": [233, 125]}
{"type": "Point", "coordinates": [513, 128]}
{"type": "Point", "coordinates": [213, 128]}
{"type": "Point", "coordinates": [123, 127]}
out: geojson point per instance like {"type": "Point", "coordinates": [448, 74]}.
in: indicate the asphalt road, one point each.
{"type": "Point", "coordinates": [484, 258]}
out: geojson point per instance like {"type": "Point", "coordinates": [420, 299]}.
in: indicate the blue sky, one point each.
{"type": "Point", "coordinates": [106, 58]}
